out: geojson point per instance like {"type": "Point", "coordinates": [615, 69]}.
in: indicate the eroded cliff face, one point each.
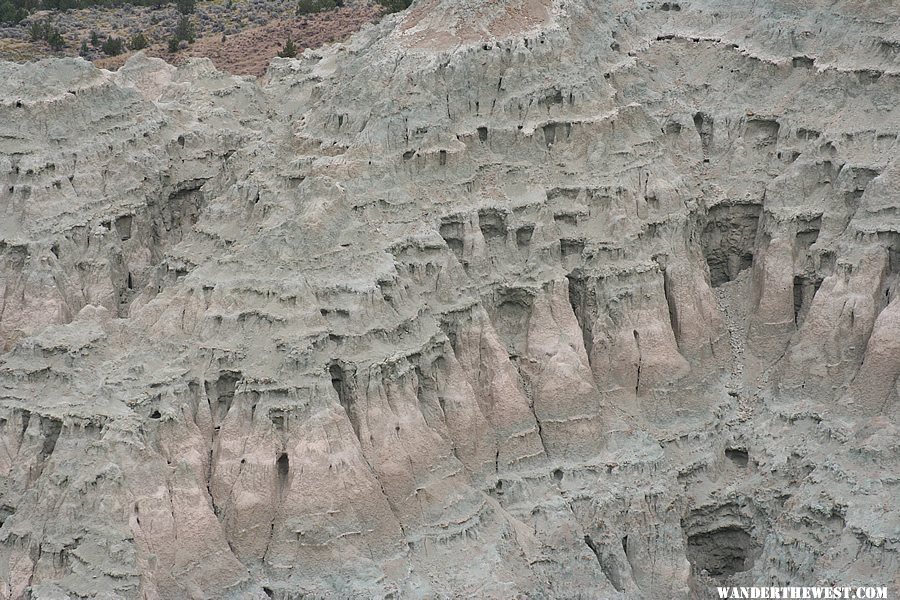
{"type": "Point", "coordinates": [554, 298]}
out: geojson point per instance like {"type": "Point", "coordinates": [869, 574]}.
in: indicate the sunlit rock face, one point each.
{"type": "Point", "coordinates": [534, 297]}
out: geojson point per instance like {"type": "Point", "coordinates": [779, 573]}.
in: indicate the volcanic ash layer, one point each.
{"type": "Point", "coordinates": [558, 298]}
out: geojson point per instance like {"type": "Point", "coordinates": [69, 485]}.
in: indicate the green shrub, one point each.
{"type": "Point", "coordinates": [84, 50]}
{"type": "Point", "coordinates": [42, 31]}
{"type": "Point", "coordinates": [10, 13]}
{"type": "Point", "coordinates": [186, 7]}
{"type": "Point", "coordinates": [38, 31]}
{"type": "Point", "coordinates": [289, 50]}
{"type": "Point", "coordinates": [95, 39]}
{"type": "Point", "coordinates": [185, 30]}
{"type": "Point", "coordinates": [392, 6]}
{"type": "Point", "coordinates": [113, 46]}
{"type": "Point", "coordinates": [306, 7]}
{"type": "Point", "coordinates": [138, 42]}
{"type": "Point", "coordinates": [55, 39]}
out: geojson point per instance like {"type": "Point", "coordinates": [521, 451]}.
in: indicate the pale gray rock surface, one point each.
{"type": "Point", "coordinates": [555, 298]}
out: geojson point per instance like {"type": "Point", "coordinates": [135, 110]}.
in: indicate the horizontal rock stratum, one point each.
{"type": "Point", "coordinates": [526, 298]}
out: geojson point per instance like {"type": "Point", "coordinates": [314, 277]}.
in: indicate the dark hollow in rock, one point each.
{"type": "Point", "coordinates": [704, 125]}
{"type": "Point", "coordinates": [220, 394]}
{"type": "Point", "coordinates": [523, 236]}
{"type": "Point", "coordinates": [452, 232]}
{"type": "Point", "coordinates": [721, 552]}
{"type": "Point", "coordinates": [738, 456]}
{"type": "Point", "coordinates": [123, 227]}
{"type": "Point", "coordinates": [284, 466]}
{"type": "Point", "coordinates": [729, 239]}
{"type": "Point", "coordinates": [805, 289]}
{"type": "Point", "coordinates": [571, 247]}
{"type": "Point", "coordinates": [510, 318]}
{"type": "Point", "coordinates": [763, 131]}
{"type": "Point", "coordinates": [492, 223]}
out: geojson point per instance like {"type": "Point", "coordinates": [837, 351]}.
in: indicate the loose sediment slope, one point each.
{"type": "Point", "coordinates": [560, 298]}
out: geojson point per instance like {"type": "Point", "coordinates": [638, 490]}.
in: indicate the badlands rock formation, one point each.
{"type": "Point", "coordinates": [547, 298]}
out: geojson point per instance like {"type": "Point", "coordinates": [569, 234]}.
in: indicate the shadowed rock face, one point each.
{"type": "Point", "coordinates": [596, 299]}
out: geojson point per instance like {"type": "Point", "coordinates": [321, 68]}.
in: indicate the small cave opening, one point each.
{"type": "Point", "coordinates": [283, 466]}
{"type": "Point", "coordinates": [482, 134]}
{"type": "Point", "coordinates": [728, 240]}
{"type": "Point", "coordinates": [571, 247]}
{"type": "Point", "coordinates": [805, 289]}
{"type": "Point", "coordinates": [552, 97]}
{"type": "Point", "coordinates": [50, 430]}
{"type": "Point", "coordinates": [565, 218]}
{"type": "Point", "coordinates": [549, 134]}
{"type": "Point", "coordinates": [340, 381]}
{"type": "Point", "coordinates": [556, 132]}
{"type": "Point", "coordinates": [764, 132]}
{"type": "Point", "coordinates": [6, 511]}
{"type": "Point", "coordinates": [672, 128]}
{"type": "Point", "coordinates": [493, 224]}
{"type": "Point", "coordinates": [738, 456]}
{"type": "Point", "coordinates": [510, 314]}
{"type": "Point", "coordinates": [808, 234]}
{"type": "Point", "coordinates": [524, 235]}
{"type": "Point", "coordinates": [721, 539]}
{"type": "Point", "coordinates": [278, 418]}
{"type": "Point", "coordinates": [704, 124]}
{"type": "Point", "coordinates": [452, 230]}
{"type": "Point", "coordinates": [123, 227]}
{"type": "Point", "coordinates": [337, 382]}
{"type": "Point", "coordinates": [721, 552]}
{"type": "Point", "coordinates": [220, 394]}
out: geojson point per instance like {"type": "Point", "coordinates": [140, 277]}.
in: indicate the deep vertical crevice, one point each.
{"type": "Point", "coordinates": [578, 300]}
{"type": "Point", "coordinates": [704, 124]}
{"type": "Point", "coordinates": [339, 381]}
{"type": "Point", "coordinates": [50, 429]}
{"type": "Point", "coordinates": [283, 467]}
{"type": "Point", "coordinates": [637, 381]}
{"type": "Point", "coordinates": [673, 309]}
{"type": "Point", "coordinates": [609, 570]}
